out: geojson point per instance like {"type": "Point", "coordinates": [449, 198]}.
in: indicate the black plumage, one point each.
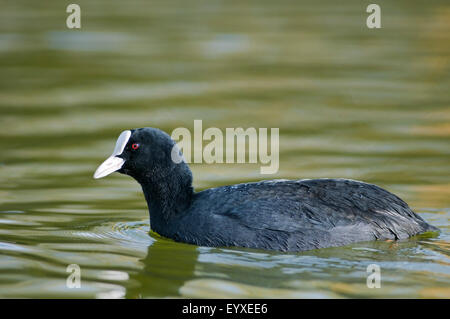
{"type": "Point", "coordinates": [285, 215]}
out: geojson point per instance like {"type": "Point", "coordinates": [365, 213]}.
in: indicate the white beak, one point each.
{"type": "Point", "coordinates": [114, 163]}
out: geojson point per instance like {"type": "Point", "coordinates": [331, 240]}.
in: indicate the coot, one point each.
{"type": "Point", "coordinates": [284, 215]}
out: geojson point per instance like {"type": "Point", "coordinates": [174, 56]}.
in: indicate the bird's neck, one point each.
{"type": "Point", "coordinates": [167, 199]}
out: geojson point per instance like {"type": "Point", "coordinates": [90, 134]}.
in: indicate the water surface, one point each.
{"type": "Point", "coordinates": [350, 102]}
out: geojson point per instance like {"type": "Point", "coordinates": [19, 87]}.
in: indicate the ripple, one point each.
{"type": "Point", "coordinates": [130, 234]}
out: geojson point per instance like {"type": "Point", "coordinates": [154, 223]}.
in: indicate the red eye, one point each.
{"type": "Point", "coordinates": [135, 146]}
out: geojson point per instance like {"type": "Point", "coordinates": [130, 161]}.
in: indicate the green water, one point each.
{"type": "Point", "coordinates": [350, 102]}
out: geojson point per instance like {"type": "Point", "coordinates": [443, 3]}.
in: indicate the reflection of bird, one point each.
{"type": "Point", "coordinates": [286, 215]}
{"type": "Point", "coordinates": [166, 268]}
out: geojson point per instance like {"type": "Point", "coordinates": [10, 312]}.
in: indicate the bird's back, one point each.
{"type": "Point", "coordinates": [297, 215]}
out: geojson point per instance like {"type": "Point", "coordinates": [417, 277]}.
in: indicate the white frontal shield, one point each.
{"type": "Point", "coordinates": [114, 163]}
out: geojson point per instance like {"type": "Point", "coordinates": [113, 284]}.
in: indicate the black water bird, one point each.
{"type": "Point", "coordinates": [284, 215]}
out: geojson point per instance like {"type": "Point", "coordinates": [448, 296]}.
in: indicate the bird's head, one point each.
{"type": "Point", "coordinates": [146, 154]}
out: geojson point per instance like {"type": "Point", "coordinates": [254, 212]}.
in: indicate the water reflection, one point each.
{"type": "Point", "coordinates": [180, 270]}
{"type": "Point", "coordinates": [166, 268]}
